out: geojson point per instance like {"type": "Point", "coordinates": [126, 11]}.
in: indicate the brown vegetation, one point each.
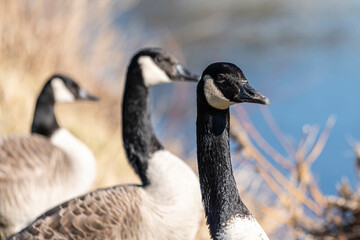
{"type": "Point", "coordinates": [288, 202]}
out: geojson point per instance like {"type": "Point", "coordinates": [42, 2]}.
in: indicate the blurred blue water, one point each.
{"type": "Point", "coordinates": [304, 56]}
{"type": "Point", "coordinates": [323, 82]}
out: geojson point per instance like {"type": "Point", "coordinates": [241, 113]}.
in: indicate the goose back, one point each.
{"type": "Point", "coordinates": [103, 214]}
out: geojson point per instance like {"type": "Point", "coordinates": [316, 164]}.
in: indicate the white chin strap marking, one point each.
{"type": "Point", "coordinates": [151, 73]}
{"type": "Point", "coordinates": [61, 92]}
{"type": "Point", "coordinates": [214, 96]}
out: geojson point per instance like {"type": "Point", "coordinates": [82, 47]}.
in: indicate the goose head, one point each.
{"type": "Point", "coordinates": [65, 90]}
{"type": "Point", "coordinates": [157, 67]}
{"type": "Point", "coordinates": [58, 89]}
{"type": "Point", "coordinates": [224, 84]}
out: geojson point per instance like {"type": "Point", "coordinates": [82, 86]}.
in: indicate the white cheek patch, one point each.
{"type": "Point", "coordinates": [61, 92]}
{"type": "Point", "coordinates": [151, 73]}
{"type": "Point", "coordinates": [214, 96]}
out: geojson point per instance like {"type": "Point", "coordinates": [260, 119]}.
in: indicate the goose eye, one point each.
{"type": "Point", "coordinates": [73, 87]}
{"type": "Point", "coordinates": [221, 78]}
{"type": "Point", "coordinates": [159, 58]}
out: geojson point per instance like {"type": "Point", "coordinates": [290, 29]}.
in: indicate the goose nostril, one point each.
{"type": "Point", "coordinates": [251, 93]}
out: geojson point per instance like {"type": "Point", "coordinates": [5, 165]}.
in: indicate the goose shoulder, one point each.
{"type": "Point", "coordinates": [25, 157]}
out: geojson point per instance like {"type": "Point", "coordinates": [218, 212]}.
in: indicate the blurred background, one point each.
{"type": "Point", "coordinates": [288, 157]}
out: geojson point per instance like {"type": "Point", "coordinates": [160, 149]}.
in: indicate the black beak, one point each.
{"type": "Point", "coordinates": [85, 95]}
{"type": "Point", "coordinates": [248, 94]}
{"type": "Point", "coordinates": [183, 74]}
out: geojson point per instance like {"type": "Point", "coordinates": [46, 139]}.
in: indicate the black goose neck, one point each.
{"type": "Point", "coordinates": [140, 141]}
{"type": "Point", "coordinates": [44, 121]}
{"type": "Point", "coordinates": [218, 187]}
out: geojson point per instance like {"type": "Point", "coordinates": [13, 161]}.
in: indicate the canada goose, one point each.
{"type": "Point", "coordinates": [168, 203]}
{"type": "Point", "coordinates": [41, 170]}
{"type": "Point", "coordinates": [222, 84]}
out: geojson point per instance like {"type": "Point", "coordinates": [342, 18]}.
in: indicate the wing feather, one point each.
{"type": "Point", "coordinates": [112, 213]}
{"type": "Point", "coordinates": [25, 157]}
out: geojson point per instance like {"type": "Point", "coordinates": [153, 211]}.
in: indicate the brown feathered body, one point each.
{"type": "Point", "coordinates": [129, 212]}
{"type": "Point", "coordinates": [37, 173]}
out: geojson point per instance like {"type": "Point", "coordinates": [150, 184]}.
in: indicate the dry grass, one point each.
{"type": "Point", "coordinates": [39, 38]}
{"type": "Point", "coordinates": [286, 198]}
